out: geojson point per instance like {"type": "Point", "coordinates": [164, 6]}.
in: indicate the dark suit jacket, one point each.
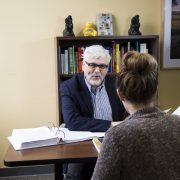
{"type": "Point", "coordinates": [77, 108]}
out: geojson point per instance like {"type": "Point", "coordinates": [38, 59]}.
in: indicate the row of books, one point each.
{"type": "Point", "coordinates": [70, 58]}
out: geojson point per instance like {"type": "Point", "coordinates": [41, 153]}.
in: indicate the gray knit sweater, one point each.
{"type": "Point", "coordinates": [146, 146]}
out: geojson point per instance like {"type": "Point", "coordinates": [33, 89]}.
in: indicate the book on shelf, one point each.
{"type": "Point", "coordinates": [80, 58]}
{"type": "Point", "coordinates": [143, 48]}
{"type": "Point", "coordinates": [128, 46]}
{"type": "Point", "coordinates": [45, 136]}
{"type": "Point", "coordinates": [62, 62]}
{"type": "Point", "coordinates": [71, 60]}
{"type": "Point", "coordinates": [113, 57]}
{"type": "Point", "coordinates": [117, 58]}
{"type": "Point", "coordinates": [136, 47]}
{"type": "Point", "coordinates": [109, 49]}
{"type": "Point", "coordinates": [97, 143]}
{"type": "Point", "coordinates": [66, 64]}
{"type": "Point", "coordinates": [75, 61]}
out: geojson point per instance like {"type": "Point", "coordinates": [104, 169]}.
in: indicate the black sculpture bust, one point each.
{"type": "Point", "coordinates": [68, 31]}
{"type": "Point", "coordinates": [135, 25]}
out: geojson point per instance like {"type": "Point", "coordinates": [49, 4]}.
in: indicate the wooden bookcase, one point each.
{"type": "Point", "coordinates": [152, 42]}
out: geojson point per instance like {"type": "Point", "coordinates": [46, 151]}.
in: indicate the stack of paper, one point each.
{"type": "Point", "coordinates": [43, 136]}
{"type": "Point", "coordinates": [32, 137]}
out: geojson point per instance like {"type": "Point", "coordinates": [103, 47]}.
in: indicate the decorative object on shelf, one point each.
{"type": "Point", "coordinates": [68, 31]}
{"type": "Point", "coordinates": [89, 30]}
{"type": "Point", "coordinates": [171, 35]}
{"type": "Point", "coordinates": [104, 24]}
{"type": "Point", "coordinates": [134, 27]}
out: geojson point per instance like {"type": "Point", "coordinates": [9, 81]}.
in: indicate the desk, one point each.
{"type": "Point", "coordinates": [68, 153]}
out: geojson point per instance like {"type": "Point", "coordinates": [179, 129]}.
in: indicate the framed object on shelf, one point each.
{"type": "Point", "coordinates": [171, 36]}
{"type": "Point", "coordinates": [104, 24]}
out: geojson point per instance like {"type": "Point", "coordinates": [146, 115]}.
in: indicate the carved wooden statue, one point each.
{"type": "Point", "coordinates": [135, 25]}
{"type": "Point", "coordinates": [68, 31]}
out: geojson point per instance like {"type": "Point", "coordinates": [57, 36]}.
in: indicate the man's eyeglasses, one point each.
{"type": "Point", "coordinates": [94, 65]}
{"type": "Point", "coordinates": [57, 131]}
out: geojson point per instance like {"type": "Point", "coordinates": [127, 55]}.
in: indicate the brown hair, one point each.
{"type": "Point", "coordinates": [138, 79]}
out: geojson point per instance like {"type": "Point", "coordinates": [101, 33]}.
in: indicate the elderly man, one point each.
{"type": "Point", "coordinates": [89, 100]}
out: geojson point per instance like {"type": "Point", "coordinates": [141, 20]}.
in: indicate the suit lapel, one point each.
{"type": "Point", "coordinates": [110, 89]}
{"type": "Point", "coordinates": [85, 94]}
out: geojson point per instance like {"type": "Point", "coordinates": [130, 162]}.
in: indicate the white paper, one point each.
{"type": "Point", "coordinates": [177, 111]}
{"type": "Point", "coordinates": [76, 136]}
{"type": "Point", "coordinates": [167, 110]}
{"type": "Point", "coordinates": [115, 123]}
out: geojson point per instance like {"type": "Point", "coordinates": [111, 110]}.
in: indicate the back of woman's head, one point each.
{"type": "Point", "coordinates": [138, 79]}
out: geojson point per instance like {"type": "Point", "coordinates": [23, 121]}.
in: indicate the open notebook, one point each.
{"type": "Point", "coordinates": [43, 136]}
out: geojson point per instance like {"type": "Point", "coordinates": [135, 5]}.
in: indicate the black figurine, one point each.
{"type": "Point", "coordinates": [134, 28]}
{"type": "Point", "coordinates": [68, 31]}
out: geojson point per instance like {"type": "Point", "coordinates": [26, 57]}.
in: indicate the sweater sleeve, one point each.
{"type": "Point", "coordinates": [108, 162]}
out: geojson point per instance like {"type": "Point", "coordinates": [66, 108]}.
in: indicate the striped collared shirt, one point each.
{"type": "Point", "coordinates": [100, 101]}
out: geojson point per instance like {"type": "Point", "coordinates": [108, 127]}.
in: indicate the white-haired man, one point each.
{"type": "Point", "coordinates": [89, 100]}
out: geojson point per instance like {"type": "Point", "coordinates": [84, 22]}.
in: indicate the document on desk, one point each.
{"type": "Point", "coordinates": [177, 111]}
{"type": "Point", "coordinates": [76, 136]}
{"type": "Point", "coordinates": [43, 136]}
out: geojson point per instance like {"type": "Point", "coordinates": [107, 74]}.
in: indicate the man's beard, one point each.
{"type": "Point", "coordinates": [95, 82]}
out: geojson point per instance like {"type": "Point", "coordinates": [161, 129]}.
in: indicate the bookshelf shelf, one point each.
{"type": "Point", "coordinates": [68, 45]}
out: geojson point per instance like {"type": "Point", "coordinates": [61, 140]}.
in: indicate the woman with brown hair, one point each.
{"type": "Point", "coordinates": [146, 145]}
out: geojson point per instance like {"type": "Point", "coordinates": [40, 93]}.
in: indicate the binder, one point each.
{"type": "Point", "coordinates": [45, 136]}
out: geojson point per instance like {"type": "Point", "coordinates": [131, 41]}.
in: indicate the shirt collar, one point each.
{"type": "Point", "coordinates": [98, 88]}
